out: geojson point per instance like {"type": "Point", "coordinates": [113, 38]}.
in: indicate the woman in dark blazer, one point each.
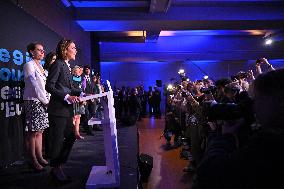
{"type": "Point", "coordinates": [60, 109]}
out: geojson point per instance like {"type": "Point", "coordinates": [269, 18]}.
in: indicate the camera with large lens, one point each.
{"type": "Point", "coordinates": [185, 94]}
{"type": "Point", "coordinates": [208, 90]}
{"type": "Point", "coordinates": [242, 75]}
{"type": "Point", "coordinates": [258, 61]}
{"type": "Point", "coordinates": [223, 111]}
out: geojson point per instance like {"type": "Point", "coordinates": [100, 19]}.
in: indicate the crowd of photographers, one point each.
{"type": "Point", "coordinates": [214, 121]}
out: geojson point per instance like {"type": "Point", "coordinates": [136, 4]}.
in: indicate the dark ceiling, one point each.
{"type": "Point", "coordinates": [148, 20]}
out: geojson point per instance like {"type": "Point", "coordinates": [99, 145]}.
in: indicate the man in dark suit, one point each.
{"type": "Point", "coordinates": [60, 109]}
{"type": "Point", "coordinates": [88, 87]}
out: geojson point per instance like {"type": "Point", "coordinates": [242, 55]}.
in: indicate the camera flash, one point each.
{"type": "Point", "coordinates": [170, 87]}
{"type": "Point", "coordinates": [181, 71]}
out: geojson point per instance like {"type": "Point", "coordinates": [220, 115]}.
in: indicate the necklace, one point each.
{"type": "Point", "coordinates": [39, 67]}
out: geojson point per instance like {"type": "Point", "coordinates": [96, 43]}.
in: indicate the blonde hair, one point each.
{"type": "Point", "coordinates": [75, 68]}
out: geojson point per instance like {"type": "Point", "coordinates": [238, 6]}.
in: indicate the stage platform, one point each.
{"type": "Point", "coordinates": [84, 155]}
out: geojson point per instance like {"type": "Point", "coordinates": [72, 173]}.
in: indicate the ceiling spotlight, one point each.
{"type": "Point", "coordinates": [268, 41]}
{"type": "Point", "coordinates": [205, 77]}
{"type": "Point", "coordinates": [181, 71]}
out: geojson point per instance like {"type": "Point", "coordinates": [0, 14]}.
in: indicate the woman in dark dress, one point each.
{"type": "Point", "coordinates": [79, 108]}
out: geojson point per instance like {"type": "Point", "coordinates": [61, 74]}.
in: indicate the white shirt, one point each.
{"type": "Point", "coordinates": [34, 83]}
{"type": "Point", "coordinates": [69, 66]}
{"type": "Point", "coordinates": [87, 78]}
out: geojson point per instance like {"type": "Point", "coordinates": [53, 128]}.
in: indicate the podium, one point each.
{"type": "Point", "coordinates": [106, 176]}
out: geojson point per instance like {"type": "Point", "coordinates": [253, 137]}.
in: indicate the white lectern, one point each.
{"type": "Point", "coordinates": [106, 176]}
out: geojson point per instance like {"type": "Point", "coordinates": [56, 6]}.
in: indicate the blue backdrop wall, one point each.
{"type": "Point", "coordinates": [17, 30]}
{"type": "Point", "coordinates": [146, 73]}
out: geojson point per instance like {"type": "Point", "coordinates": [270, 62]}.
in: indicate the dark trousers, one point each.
{"type": "Point", "coordinates": [61, 139]}
{"type": "Point", "coordinates": [46, 143]}
{"type": "Point", "coordinates": [157, 109]}
{"type": "Point", "coordinates": [89, 113]}
{"type": "Point", "coordinates": [118, 109]}
{"type": "Point", "coordinates": [144, 108]}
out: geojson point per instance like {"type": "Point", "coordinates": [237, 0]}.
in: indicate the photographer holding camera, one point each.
{"type": "Point", "coordinates": [198, 128]}
{"type": "Point", "coordinates": [262, 62]}
{"type": "Point", "coordinates": [258, 163]}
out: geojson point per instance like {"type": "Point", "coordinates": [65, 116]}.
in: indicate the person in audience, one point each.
{"type": "Point", "coordinates": [157, 102]}
{"type": "Point", "coordinates": [60, 109]}
{"type": "Point", "coordinates": [36, 100]}
{"type": "Point", "coordinates": [134, 106]}
{"type": "Point", "coordinates": [122, 96]}
{"type": "Point", "coordinates": [150, 100]}
{"type": "Point", "coordinates": [259, 163]}
{"type": "Point", "coordinates": [116, 102]}
{"type": "Point", "coordinates": [143, 98]}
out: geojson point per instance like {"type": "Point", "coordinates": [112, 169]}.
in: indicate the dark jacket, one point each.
{"type": "Point", "coordinates": [59, 84]}
{"type": "Point", "coordinates": [77, 82]}
{"type": "Point", "coordinates": [259, 164]}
